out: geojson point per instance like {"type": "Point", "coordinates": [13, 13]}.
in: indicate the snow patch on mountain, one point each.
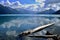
{"type": "Point", "coordinates": [54, 6]}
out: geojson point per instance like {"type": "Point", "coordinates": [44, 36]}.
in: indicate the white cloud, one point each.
{"type": "Point", "coordinates": [34, 21]}
{"type": "Point", "coordinates": [8, 2]}
{"type": "Point", "coordinates": [33, 7]}
{"type": "Point", "coordinates": [54, 6]}
{"type": "Point", "coordinates": [18, 22]}
{"type": "Point", "coordinates": [18, 3]}
{"type": "Point", "coordinates": [52, 1]}
{"type": "Point", "coordinates": [42, 2]}
{"type": "Point", "coordinates": [47, 8]}
{"type": "Point", "coordinates": [15, 23]}
{"type": "Point", "coordinates": [2, 2]}
{"type": "Point", "coordinates": [43, 32]}
{"type": "Point", "coordinates": [11, 33]}
{"type": "Point", "coordinates": [42, 5]}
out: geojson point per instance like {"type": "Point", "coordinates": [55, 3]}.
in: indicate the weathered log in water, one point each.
{"type": "Point", "coordinates": [49, 37]}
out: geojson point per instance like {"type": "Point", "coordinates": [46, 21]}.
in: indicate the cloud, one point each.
{"type": "Point", "coordinates": [52, 1]}
{"type": "Point", "coordinates": [41, 2]}
{"type": "Point", "coordinates": [54, 6]}
{"type": "Point", "coordinates": [2, 2]}
{"type": "Point", "coordinates": [15, 23]}
{"type": "Point", "coordinates": [8, 2]}
{"type": "Point", "coordinates": [16, 3]}
{"type": "Point", "coordinates": [11, 33]}
{"type": "Point", "coordinates": [31, 21]}
{"type": "Point", "coordinates": [33, 7]}
{"type": "Point", "coordinates": [43, 32]}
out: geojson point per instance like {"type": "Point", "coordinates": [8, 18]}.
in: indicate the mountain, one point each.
{"type": "Point", "coordinates": [57, 12]}
{"type": "Point", "coordinates": [50, 11]}
{"type": "Point", "coordinates": [26, 11]}
{"type": "Point", "coordinates": [7, 10]}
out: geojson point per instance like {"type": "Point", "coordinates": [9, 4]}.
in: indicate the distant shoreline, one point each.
{"type": "Point", "coordinates": [42, 15]}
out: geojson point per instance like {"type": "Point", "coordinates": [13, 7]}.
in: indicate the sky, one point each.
{"type": "Point", "coordinates": [55, 4]}
{"type": "Point", "coordinates": [23, 1]}
{"type": "Point", "coordinates": [33, 1]}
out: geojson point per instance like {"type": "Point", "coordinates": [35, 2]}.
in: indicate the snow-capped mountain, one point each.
{"type": "Point", "coordinates": [7, 3]}
{"type": "Point", "coordinates": [50, 11]}
{"type": "Point", "coordinates": [54, 6]}
{"type": "Point", "coordinates": [8, 10]}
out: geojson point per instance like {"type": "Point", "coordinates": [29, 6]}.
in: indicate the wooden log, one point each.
{"type": "Point", "coordinates": [44, 36]}
{"type": "Point", "coordinates": [25, 33]}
